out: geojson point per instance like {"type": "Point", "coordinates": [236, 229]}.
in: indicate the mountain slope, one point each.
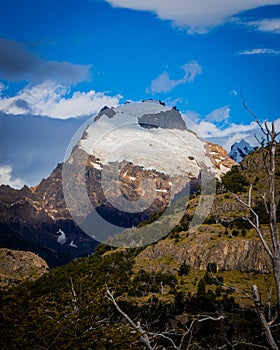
{"type": "Point", "coordinates": [165, 286]}
{"type": "Point", "coordinates": [30, 219]}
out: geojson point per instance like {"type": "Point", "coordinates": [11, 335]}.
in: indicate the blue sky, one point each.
{"type": "Point", "coordinates": [66, 59]}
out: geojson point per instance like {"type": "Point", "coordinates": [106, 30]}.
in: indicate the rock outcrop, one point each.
{"type": "Point", "coordinates": [200, 249]}
{"type": "Point", "coordinates": [18, 266]}
{"type": "Point", "coordinates": [167, 120]}
{"type": "Point", "coordinates": [219, 157]}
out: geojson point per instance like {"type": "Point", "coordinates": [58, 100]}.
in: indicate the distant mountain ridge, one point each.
{"type": "Point", "coordinates": [240, 150]}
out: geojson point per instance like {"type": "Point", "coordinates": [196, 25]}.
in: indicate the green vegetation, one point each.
{"type": "Point", "coordinates": [67, 308]}
{"type": "Point", "coordinates": [184, 269]}
{"type": "Point", "coordinates": [234, 181]}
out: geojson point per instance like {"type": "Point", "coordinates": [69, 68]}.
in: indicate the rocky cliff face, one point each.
{"type": "Point", "coordinates": [200, 249]}
{"type": "Point", "coordinates": [18, 266]}
{"type": "Point", "coordinates": [220, 158]}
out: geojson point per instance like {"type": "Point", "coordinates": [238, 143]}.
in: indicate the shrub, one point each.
{"type": "Point", "coordinates": [201, 288]}
{"type": "Point", "coordinates": [235, 233]}
{"type": "Point", "coordinates": [208, 279]}
{"type": "Point", "coordinates": [212, 267]}
{"type": "Point", "coordinates": [210, 220]}
{"type": "Point", "coordinates": [239, 224]}
{"type": "Point", "coordinates": [184, 269]}
{"type": "Point", "coordinates": [234, 181]}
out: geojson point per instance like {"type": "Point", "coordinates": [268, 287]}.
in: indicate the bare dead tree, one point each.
{"type": "Point", "coordinates": [147, 338]}
{"type": "Point", "coordinates": [71, 318]}
{"type": "Point", "coordinates": [268, 143]}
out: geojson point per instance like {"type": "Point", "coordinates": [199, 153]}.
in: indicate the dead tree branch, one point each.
{"type": "Point", "coordinates": [137, 327]}
{"type": "Point", "coordinates": [144, 335]}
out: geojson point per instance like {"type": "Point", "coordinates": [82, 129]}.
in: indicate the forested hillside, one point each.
{"type": "Point", "coordinates": [186, 291]}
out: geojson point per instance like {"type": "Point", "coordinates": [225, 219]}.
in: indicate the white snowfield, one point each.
{"type": "Point", "coordinates": [171, 151]}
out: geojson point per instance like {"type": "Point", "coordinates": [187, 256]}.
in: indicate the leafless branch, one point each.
{"type": "Point", "coordinates": [265, 203]}
{"type": "Point", "coordinates": [74, 297]}
{"type": "Point", "coordinates": [255, 225]}
{"type": "Point", "coordinates": [257, 346]}
{"type": "Point", "coordinates": [162, 335]}
{"type": "Point", "coordinates": [189, 330]}
{"type": "Point", "coordinates": [234, 289]}
{"type": "Point", "coordinates": [143, 335]}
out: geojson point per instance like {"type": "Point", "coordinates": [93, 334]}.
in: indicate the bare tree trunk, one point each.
{"type": "Point", "coordinates": [268, 145]}
{"type": "Point", "coordinates": [265, 325]}
{"type": "Point", "coordinates": [276, 271]}
{"type": "Point", "coordinates": [273, 220]}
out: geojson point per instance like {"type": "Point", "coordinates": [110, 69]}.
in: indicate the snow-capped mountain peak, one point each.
{"type": "Point", "coordinates": [148, 134]}
{"type": "Point", "coordinates": [239, 150]}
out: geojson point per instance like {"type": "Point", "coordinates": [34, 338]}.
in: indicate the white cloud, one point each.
{"type": "Point", "coordinates": [163, 83]}
{"type": "Point", "coordinates": [227, 136]}
{"type": "Point", "coordinates": [191, 116]}
{"type": "Point", "coordinates": [233, 93]}
{"type": "Point", "coordinates": [219, 114]}
{"type": "Point", "coordinates": [54, 100]}
{"type": "Point", "coordinates": [234, 132]}
{"type": "Point", "coordinates": [270, 25]}
{"type": "Point", "coordinates": [7, 179]}
{"type": "Point", "coordinates": [260, 51]}
{"type": "Point", "coordinates": [174, 101]}
{"type": "Point", "coordinates": [197, 16]}
{"type": "Point", "coordinates": [211, 129]}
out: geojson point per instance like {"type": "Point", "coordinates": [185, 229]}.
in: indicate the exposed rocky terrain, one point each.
{"type": "Point", "coordinates": [17, 266]}
{"type": "Point", "coordinates": [210, 245]}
